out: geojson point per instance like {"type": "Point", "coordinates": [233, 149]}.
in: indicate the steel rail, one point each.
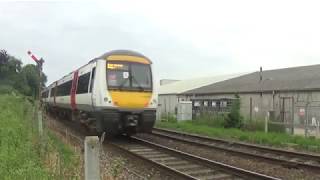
{"type": "Point", "coordinates": [218, 168]}
{"type": "Point", "coordinates": [289, 158]}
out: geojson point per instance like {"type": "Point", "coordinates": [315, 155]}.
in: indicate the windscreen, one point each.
{"type": "Point", "coordinates": [129, 76]}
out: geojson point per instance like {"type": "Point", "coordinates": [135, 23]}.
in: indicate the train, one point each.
{"type": "Point", "coordinates": [113, 93]}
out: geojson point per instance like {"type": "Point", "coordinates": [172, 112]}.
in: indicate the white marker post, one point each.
{"type": "Point", "coordinates": [91, 158]}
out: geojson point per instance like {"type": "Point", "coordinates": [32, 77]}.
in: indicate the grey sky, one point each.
{"type": "Point", "coordinates": [183, 39]}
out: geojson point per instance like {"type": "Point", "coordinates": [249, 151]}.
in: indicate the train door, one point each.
{"type": "Point", "coordinates": [73, 90]}
{"type": "Point", "coordinates": [83, 96]}
{"type": "Point", "coordinates": [92, 80]}
{"type": "Point", "coordinates": [55, 92]}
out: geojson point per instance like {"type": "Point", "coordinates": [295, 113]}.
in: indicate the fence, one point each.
{"type": "Point", "coordinates": [296, 117]}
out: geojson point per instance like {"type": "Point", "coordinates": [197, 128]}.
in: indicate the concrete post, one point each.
{"type": "Point", "coordinates": [318, 128]}
{"type": "Point", "coordinates": [266, 124]}
{"type": "Point", "coordinates": [40, 127]}
{"type": "Point", "coordinates": [91, 158]}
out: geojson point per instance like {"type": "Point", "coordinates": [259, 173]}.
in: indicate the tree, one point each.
{"type": "Point", "coordinates": [24, 79]}
{"type": "Point", "coordinates": [31, 74]}
{"type": "Point", "coordinates": [10, 68]}
{"type": "Point", "coordinates": [4, 57]}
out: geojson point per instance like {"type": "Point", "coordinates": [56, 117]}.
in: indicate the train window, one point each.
{"type": "Point", "coordinates": [43, 94]}
{"type": "Point", "coordinates": [64, 89]}
{"type": "Point", "coordinates": [92, 78]}
{"type": "Point", "coordinates": [118, 78]}
{"type": "Point", "coordinates": [83, 83]}
{"type": "Point", "coordinates": [53, 91]}
{"type": "Point", "coordinates": [118, 75]}
{"type": "Point", "coordinates": [141, 76]}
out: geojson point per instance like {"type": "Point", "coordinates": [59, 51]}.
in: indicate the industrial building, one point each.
{"type": "Point", "coordinates": [171, 92]}
{"type": "Point", "coordinates": [290, 96]}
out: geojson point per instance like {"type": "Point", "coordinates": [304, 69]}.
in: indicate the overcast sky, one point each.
{"type": "Point", "coordinates": [184, 39]}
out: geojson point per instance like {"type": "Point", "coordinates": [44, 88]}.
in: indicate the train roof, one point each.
{"type": "Point", "coordinates": [105, 56]}
{"type": "Point", "coordinates": [121, 52]}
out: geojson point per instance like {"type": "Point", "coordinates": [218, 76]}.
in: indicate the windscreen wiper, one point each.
{"type": "Point", "coordinates": [123, 83]}
{"type": "Point", "coordinates": [139, 85]}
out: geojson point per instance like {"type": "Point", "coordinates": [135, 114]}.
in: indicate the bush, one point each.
{"type": "Point", "coordinates": [234, 119]}
{"type": "Point", "coordinates": [7, 89]}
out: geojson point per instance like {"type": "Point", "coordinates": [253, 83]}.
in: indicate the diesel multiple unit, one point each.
{"type": "Point", "coordinates": [113, 93]}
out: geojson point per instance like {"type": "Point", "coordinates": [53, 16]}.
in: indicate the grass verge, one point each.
{"type": "Point", "coordinates": [23, 154]}
{"type": "Point", "coordinates": [257, 137]}
{"type": "Point", "coordinates": [18, 157]}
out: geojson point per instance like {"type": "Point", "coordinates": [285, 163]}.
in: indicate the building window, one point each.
{"type": "Point", "coordinates": [223, 104]}
{"type": "Point", "coordinates": [197, 104]}
{"type": "Point", "coordinates": [214, 104]}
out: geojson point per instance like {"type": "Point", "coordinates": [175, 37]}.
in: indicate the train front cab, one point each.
{"type": "Point", "coordinates": [130, 91]}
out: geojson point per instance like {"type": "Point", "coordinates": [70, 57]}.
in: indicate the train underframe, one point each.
{"type": "Point", "coordinates": [112, 121]}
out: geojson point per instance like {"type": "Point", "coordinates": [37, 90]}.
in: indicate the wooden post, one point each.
{"type": "Point", "coordinates": [67, 139]}
{"type": "Point", "coordinates": [250, 109]}
{"type": "Point", "coordinates": [292, 116]}
{"type": "Point", "coordinates": [40, 127]}
{"type": "Point", "coordinates": [91, 158]}
{"type": "Point", "coordinates": [306, 120]}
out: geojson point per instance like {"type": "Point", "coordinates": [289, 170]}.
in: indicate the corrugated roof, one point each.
{"type": "Point", "coordinates": [189, 84]}
{"type": "Point", "coordinates": [288, 79]}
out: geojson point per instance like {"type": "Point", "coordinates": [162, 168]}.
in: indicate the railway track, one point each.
{"type": "Point", "coordinates": [184, 165]}
{"type": "Point", "coordinates": [283, 157]}
{"type": "Point", "coordinates": [179, 164]}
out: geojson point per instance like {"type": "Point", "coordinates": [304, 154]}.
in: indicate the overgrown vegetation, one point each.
{"type": "Point", "coordinates": [60, 160]}
{"type": "Point", "coordinates": [259, 137]}
{"type": "Point", "coordinates": [211, 120]}
{"type": "Point", "coordinates": [15, 77]}
{"type": "Point", "coordinates": [116, 167]}
{"type": "Point", "coordinates": [18, 157]}
{"type": "Point", "coordinates": [23, 154]}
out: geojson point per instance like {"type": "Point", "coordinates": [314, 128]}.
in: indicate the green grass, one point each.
{"type": "Point", "coordinates": [258, 137]}
{"type": "Point", "coordinates": [18, 157]}
{"type": "Point", "coordinates": [22, 155]}
{"type": "Point", "coordinates": [68, 165]}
